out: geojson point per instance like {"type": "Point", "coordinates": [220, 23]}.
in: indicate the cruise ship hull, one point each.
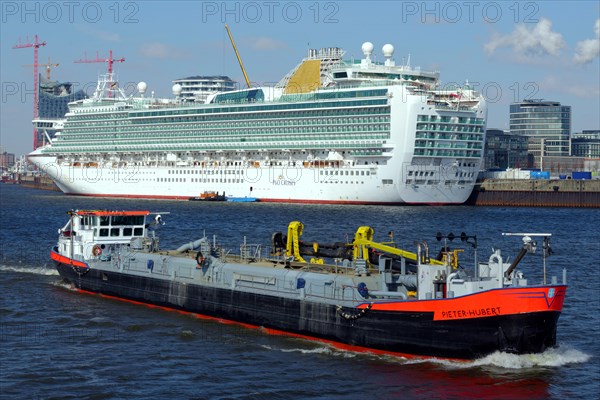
{"type": "Point", "coordinates": [359, 185]}
{"type": "Point", "coordinates": [411, 330]}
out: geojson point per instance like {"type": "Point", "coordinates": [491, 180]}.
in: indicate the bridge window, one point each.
{"type": "Point", "coordinates": [127, 220]}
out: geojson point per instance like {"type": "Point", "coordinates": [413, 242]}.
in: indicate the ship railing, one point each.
{"type": "Point", "coordinates": [250, 251]}
{"type": "Point", "coordinates": [456, 108]}
{"type": "Point", "coordinates": [343, 85]}
{"type": "Point", "coordinates": [206, 248]}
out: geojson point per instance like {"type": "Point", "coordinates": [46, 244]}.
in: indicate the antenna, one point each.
{"type": "Point", "coordinates": [36, 45]}
{"type": "Point", "coordinates": [110, 60]}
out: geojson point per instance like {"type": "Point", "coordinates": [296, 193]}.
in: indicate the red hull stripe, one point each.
{"type": "Point", "coordinates": [67, 261]}
{"type": "Point", "coordinates": [297, 201]}
{"type": "Point", "coordinates": [270, 331]}
{"type": "Point", "coordinates": [108, 213]}
{"type": "Point", "coordinates": [492, 303]}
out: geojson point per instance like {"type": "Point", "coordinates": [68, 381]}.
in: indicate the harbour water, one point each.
{"type": "Point", "coordinates": [57, 343]}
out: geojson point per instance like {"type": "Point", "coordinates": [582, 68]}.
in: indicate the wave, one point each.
{"type": "Point", "coordinates": [553, 357]}
{"type": "Point", "coordinates": [29, 270]}
{"type": "Point", "coordinates": [324, 349]}
{"type": "Point", "coordinates": [65, 285]}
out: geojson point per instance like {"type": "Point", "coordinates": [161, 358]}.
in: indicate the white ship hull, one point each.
{"type": "Point", "coordinates": [271, 184]}
{"type": "Point", "coordinates": [390, 138]}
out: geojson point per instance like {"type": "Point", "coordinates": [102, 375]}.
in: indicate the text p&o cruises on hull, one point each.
{"type": "Point", "coordinates": [331, 131]}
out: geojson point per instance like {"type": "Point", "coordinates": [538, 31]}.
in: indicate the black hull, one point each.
{"type": "Point", "coordinates": [407, 333]}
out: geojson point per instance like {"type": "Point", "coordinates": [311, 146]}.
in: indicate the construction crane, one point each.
{"type": "Point", "coordinates": [238, 56]}
{"type": "Point", "coordinates": [110, 60]}
{"type": "Point", "coordinates": [36, 45]}
{"type": "Point", "coordinates": [48, 66]}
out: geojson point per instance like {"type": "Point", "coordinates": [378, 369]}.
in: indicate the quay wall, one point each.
{"type": "Point", "coordinates": [37, 182]}
{"type": "Point", "coordinates": [536, 193]}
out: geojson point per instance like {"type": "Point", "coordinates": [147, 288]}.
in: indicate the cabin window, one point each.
{"type": "Point", "coordinates": [114, 232]}
{"type": "Point", "coordinates": [127, 220]}
{"type": "Point", "coordinates": [104, 221]}
{"type": "Point", "coordinates": [127, 231]}
{"type": "Point", "coordinates": [138, 232]}
{"type": "Point", "coordinates": [104, 232]}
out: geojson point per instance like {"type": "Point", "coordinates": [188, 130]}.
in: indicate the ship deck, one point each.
{"type": "Point", "coordinates": [275, 262]}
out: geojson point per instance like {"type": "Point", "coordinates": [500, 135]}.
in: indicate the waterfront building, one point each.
{"type": "Point", "coordinates": [52, 107]}
{"type": "Point", "coordinates": [505, 150]}
{"type": "Point", "coordinates": [546, 124]}
{"type": "Point", "coordinates": [7, 160]}
{"type": "Point", "coordinates": [586, 144]}
{"type": "Point", "coordinates": [198, 88]}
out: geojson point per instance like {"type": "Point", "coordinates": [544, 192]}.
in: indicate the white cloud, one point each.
{"type": "Point", "coordinates": [539, 40]}
{"type": "Point", "coordinates": [99, 34]}
{"type": "Point", "coordinates": [160, 50]}
{"type": "Point", "coordinates": [265, 43]}
{"type": "Point", "coordinates": [589, 49]}
{"type": "Point", "coordinates": [571, 87]}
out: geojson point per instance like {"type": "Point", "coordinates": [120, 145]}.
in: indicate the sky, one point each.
{"type": "Point", "coordinates": [508, 50]}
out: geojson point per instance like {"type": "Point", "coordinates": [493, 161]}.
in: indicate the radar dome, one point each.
{"type": "Point", "coordinates": [367, 48]}
{"type": "Point", "coordinates": [141, 87]}
{"type": "Point", "coordinates": [388, 50]}
{"type": "Point", "coordinates": [176, 89]}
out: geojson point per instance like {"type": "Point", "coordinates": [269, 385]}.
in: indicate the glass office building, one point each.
{"type": "Point", "coordinates": [546, 124]}
{"type": "Point", "coordinates": [586, 144]}
{"type": "Point", "coordinates": [505, 150]}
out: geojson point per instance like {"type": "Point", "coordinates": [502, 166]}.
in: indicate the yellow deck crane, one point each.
{"type": "Point", "coordinates": [363, 240]}
{"type": "Point", "coordinates": [362, 243]}
{"type": "Point", "coordinates": [238, 56]}
{"type": "Point", "coordinates": [295, 229]}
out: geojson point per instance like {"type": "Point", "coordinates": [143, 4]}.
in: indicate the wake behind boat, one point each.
{"type": "Point", "coordinates": [364, 294]}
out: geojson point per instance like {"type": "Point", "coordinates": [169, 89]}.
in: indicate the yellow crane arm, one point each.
{"type": "Point", "coordinates": [293, 246]}
{"type": "Point", "coordinates": [238, 56]}
{"type": "Point", "coordinates": [363, 240]}
{"type": "Point", "coordinates": [392, 250]}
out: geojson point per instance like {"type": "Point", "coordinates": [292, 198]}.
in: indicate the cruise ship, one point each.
{"type": "Point", "coordinates": [332, 130]}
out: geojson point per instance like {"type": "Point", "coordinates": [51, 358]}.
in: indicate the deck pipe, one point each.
{"type": "Point", "coordinates": [517, 260]}
{"type": "Point", "coordinates": [189, 246]}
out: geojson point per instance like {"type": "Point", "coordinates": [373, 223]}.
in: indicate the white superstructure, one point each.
{"type": "Point", "coordinates": [331, 131]}
{"type": "Point", "coordinates": [198, 88]}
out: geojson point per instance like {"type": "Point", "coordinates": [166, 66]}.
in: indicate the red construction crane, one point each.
{"type": "Point", "coordinates": [36, 45]}
{"type": "Point", "coordinates": [48, 66]}
{"type": "Point", "coordinates": [110, 60]}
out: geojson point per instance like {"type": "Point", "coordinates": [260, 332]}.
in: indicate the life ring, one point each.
{"type": "Point", "coordinates": [96, 251]}
{"type": "Point", "coordinates": [199, 259]}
